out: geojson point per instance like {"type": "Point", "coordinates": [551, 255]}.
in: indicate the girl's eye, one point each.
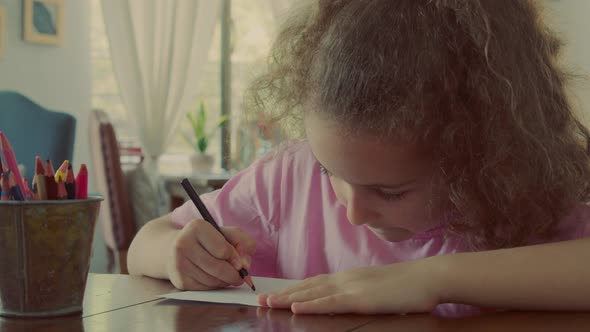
{"type": "Point", "coordinates": [382, 194]}
{"type": "Point", "coordinates": [391, 196]}
{"type": "Point", "coordinates": [325, 171]}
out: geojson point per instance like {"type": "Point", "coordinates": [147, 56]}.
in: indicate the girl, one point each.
{"type": "Point", "coordinates": [442, 163]}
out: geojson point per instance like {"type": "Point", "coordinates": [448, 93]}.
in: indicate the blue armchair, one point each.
{"type": "Point", "coordinates": [34, 130]}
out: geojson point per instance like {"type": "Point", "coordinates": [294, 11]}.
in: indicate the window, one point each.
{"type": "Point", "coordinates": [105, 91]}
{"type": "Point", "coordinates": [252, 29]}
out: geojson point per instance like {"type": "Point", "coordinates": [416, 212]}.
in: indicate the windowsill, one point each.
{"type": "Point", "coordinates": [172, 164]}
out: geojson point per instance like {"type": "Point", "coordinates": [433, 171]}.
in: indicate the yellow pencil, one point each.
{"type": "Point", "coordinates": [62, 171]}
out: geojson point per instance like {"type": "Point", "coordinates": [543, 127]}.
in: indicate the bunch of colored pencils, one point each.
{"type": "Point", "coordinates": [47, 183]}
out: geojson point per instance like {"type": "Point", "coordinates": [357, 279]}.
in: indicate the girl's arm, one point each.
{"type": "Point", "coordinates": [552, 276]}
{"type": "Point", "coordinates": [150, 248]}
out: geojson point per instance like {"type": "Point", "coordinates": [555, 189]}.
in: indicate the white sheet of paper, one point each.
{"type": "Point", "coordinates": [239, 295]}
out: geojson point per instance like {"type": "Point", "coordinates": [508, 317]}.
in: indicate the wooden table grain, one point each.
{"type": "Point", "coordinates": [126, 303]}
{"type": "Point", "coordinates": [491, 322]}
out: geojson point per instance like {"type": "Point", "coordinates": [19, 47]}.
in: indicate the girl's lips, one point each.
{"type": "Point", "coordinates": [391, 234]}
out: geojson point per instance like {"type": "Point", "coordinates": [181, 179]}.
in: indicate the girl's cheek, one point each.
{"type": "Point", "coordinates": [338, 190]}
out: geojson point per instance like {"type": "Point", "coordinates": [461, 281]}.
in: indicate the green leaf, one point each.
{"type": "Point", "coordinates": [222, 120]}
{"type": "Point", "coordinates": [198, 126]}
{"type": "Point", "coordinates": [220, 123]}
{"type": "Point", "coordinates": [191, 141]}
{"type": "Point", "coordinates": [194, 124]}
{"type": "Point", "coordinates": [202, 144]}
{"type": "Point", "coordinates": [202, 117]}
{"type": "Point", "coordinates": [198, 121]}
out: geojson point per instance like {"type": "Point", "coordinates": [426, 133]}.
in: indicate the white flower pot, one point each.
{"type": "Point", "coordinates": [202, 163]}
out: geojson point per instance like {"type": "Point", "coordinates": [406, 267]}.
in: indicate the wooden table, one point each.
{"type": "Point", "coordinates": [124, 303]}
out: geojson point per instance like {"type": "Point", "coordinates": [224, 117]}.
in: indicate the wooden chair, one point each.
{"type": "Point", "coordinates": [116, 216]}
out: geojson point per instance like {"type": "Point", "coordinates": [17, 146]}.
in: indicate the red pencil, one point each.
{"type": "Point", "coordinates": [39, 169]}
{"type": "Point", "coordinates": [49, 168]}
{"type": "Point", "coordinates": [11, 161]}
{"type": "Point", "coordinates": [50, 184]}
{"type": "Point", "coordinates": [82, 183]}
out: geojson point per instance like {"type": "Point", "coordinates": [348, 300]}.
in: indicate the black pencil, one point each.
{"type": "Point", "coordinates": [208, 218]}
{"type": "Point", "coordinates": [70, 183]}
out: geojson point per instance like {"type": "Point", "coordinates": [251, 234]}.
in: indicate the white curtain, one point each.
{"type": "Point", "coordinates": [158, 49]}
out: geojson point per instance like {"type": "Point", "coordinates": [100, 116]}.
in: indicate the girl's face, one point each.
{"type": "Point", "coordinates": [384, 185]}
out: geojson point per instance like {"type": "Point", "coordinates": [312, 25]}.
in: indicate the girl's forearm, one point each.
{"type": "Point", "coordinates": [149, 252]}
{"type": "Point", "coordinates": [553, 276]}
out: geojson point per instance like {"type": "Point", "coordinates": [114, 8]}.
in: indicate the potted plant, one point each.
{"type": "Point", "coordinates": [199, 138]}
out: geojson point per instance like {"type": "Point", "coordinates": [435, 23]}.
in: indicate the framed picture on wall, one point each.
{"type": "Point", "coordinates": [43, 21]}
{"type": "Point", "coordinates": [2, 28]}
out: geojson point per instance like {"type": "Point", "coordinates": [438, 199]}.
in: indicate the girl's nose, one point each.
{"type": "Point", "coordinates": [358, 210]}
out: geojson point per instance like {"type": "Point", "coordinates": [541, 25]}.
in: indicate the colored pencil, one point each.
{"type": "Point", "coordinates": [11, 161]}
{"type": "Point", "coordinates": [34, 189]}
{"type": "Point", "coordinates": [49, 168]}
{"type": "Point", "coordinates": [15, 191]}
{"type": "Point", "coordinates": [5, 195]}
{"type": "Point", "coordinates": [39, 180]}
{"type": "Point", "coordinates": [62, 193]}
{"type": "Point", "coordinates": [70, 183]}
{"type": "Point", "coordinates": [82, 183]}
{"type": "Point", "coordinates": [62, 171]}
{"type": "Point", "coordinates": [50, 184]}
{"type": "Point", "coordinates": [39, 169]}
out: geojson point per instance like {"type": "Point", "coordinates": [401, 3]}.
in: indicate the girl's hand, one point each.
{"type": "Point", "coordinates": [397, 288]}
{"type": "Point", "coordinates": [200, 258]}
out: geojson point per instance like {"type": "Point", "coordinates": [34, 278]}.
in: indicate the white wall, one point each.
{"type": "Point", "coordinates": [57, 77]}
{"type": "Point", "coordinates": [571, 19]}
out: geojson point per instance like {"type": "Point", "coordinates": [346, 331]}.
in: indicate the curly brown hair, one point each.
{"type": "Point", "coordinates": [474, 81]}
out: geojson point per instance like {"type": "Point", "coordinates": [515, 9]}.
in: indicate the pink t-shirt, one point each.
{"type": "Point", "coordinates": [301, 230]}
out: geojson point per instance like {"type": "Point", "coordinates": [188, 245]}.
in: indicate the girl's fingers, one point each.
{"type": "Point", "coordinates": [203, 277]}
{"type": "Point", "coordinates": [186, 265]}
{"type": "Point", "coordinates": [216, 268]}
{"type": "Point", "coordinates": [329, 304]}
{"type": "Point", "coordinates": [305, 284]}
{"type": "Point", "coordinates": [210, 252]}
{"type": "Point", "coordinates": [244, 243]}
{"type": "Point", "coordinates": [216, 245]}
{"type": "Point", "coordinates": [186, 282]}
{"type": "Point", "coordinates": [321, 280]}
{"type": "Point", "coordinates": [262, 300]}
{"type": "Point", "coordinates": [246, 261]}
{"type": "Point", "coordinates": [334, 304]}
{"type": "Point", "coordinates": [285, 300]}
